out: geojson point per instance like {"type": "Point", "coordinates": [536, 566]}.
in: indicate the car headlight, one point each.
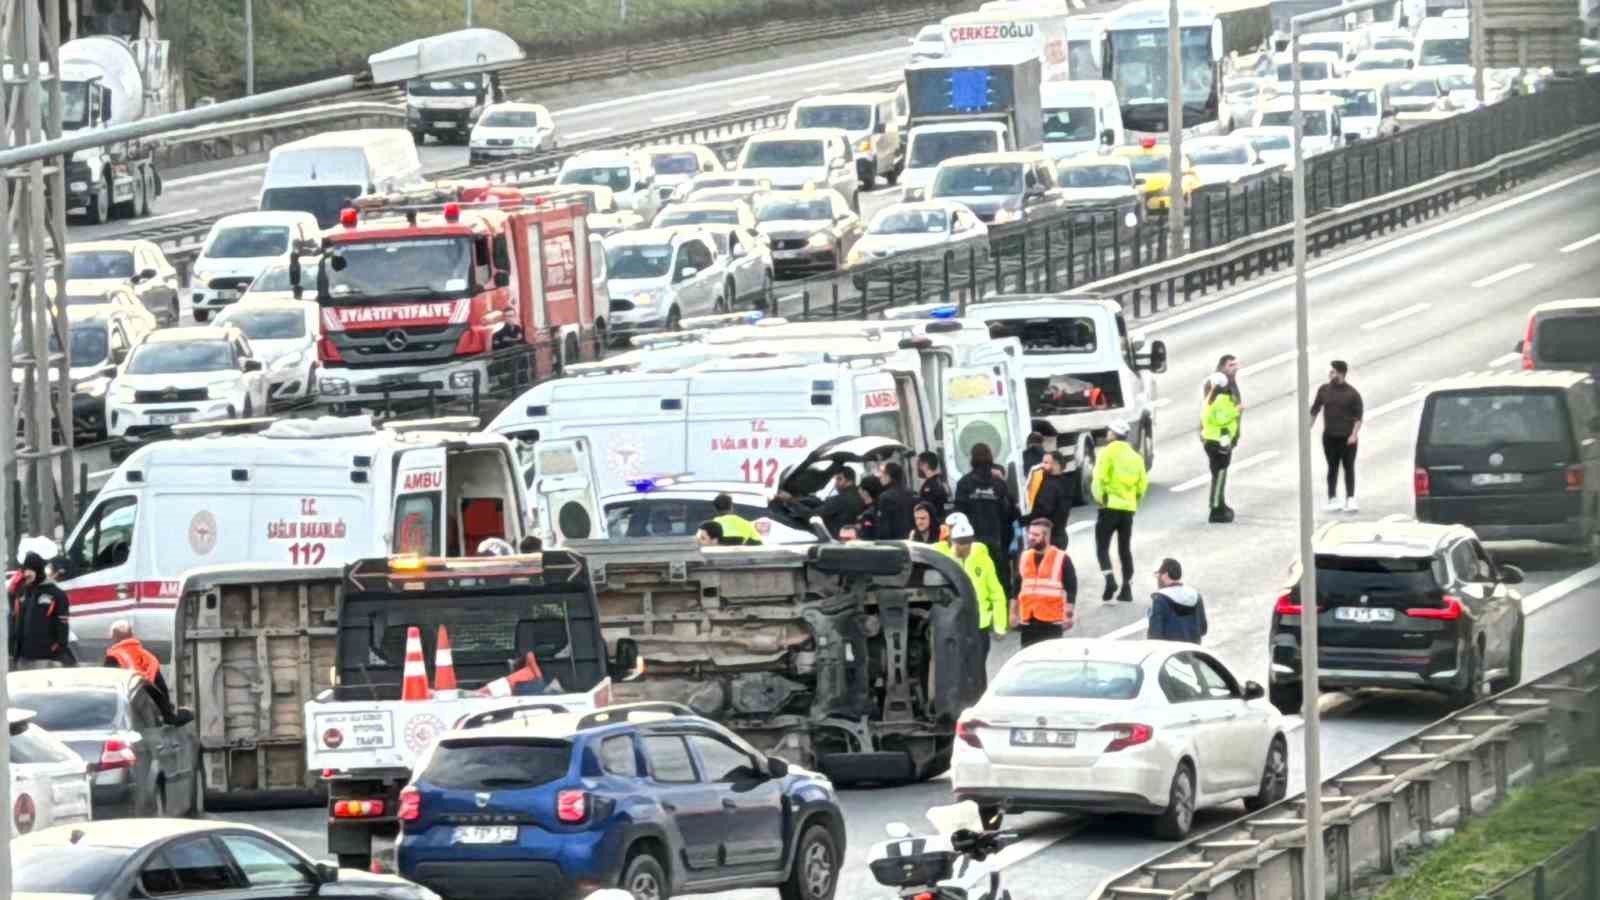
{"type": "Point", "coordinates": [820, 239]}
{"type": "Point", "coordinates": [527, 140]}
{"type": "Point", "coordinates": [78, 186]}
{"type": "Point", "coordinates": [856, 257]}
{"type": "Point", "coordinates": [1003, 216]}
{"type": "Point", "coordinates": [122, 393]}
{"type": "Point", "coordinates": [291, 361]}
{"type": "Point", "coordinates": [93, 387]}
{"type": "Point", "coordinates": [644, 298]}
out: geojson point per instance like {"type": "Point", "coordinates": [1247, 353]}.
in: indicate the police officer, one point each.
{"type": "Point", "coordinates": [1219, 433]}
{"type": "Point", "coordinates": [734, 526]}
{"type": "Point", "coordinates": [1119, 485]}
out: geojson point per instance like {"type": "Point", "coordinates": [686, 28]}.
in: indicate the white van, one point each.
{"type": "Point", "coordinates": [1322, 124]}
{"type": "Point", "coordinates": [239, 248]}
{"type": "Point", "coordinates": [1079, 117]}
{"type": "Point", "coordinates": [321, 173]}
{"type": "Point", "coordinates": [929, 145]}
{"type": "Point", "coordinates": [303, 492]}
{"type": "Point", "coordinates": [872, 125]}
{"type": "Point", "coordinates": [1443, 42]}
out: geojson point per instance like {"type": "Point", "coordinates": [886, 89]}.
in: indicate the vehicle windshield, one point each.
{"type": "Point", "coordinates": [848, 118]}
{"type": "Point", "coordinates": [1241, 90]}
{"type": "Point", "coordinates": [510, 118]}
{"type": "Point", "coordinates": [392, 268]}
{"type": "Point", "coordinates": [1077, 679]}
{"type": "Point", "coordinates": [780, 209]}
{"type": "Point", "coordinates": [1219, 155]}
{"type": "Point", "coordinates": [675, 163]}
{"type": "Point", "coordinates": [1390, 62]}
{"type": "Point", "coordinates": [1356, 103]}
{"type": "Point", "coordinates": [266, 324]}
{"type": "Point", "coordinates": [1151, 163]}
{"type": "Point", "coordinates": [1264, 142]}
{"type": "Point", "coordinates": [1312, 123]}
{"type": "Point", "coordinates": [1421, 87]}
{"type": "Point", "coordinates": [1486, 419]}
{"type": "Point", "coordinates": [665, 516]}
{"type": "Point", "coordinates": [1569, 339]}
{"type": "Point", "coordinates": [35, 745]}
{"type": "Point", "coordinates": [79, 869]}
{"type": "Point", "coordinates": [85, 710]}
{"type": "Point", "coordinates": [638, 260]}
{"type": "Point", "coordinates": [1072, 334]}
{"type": "Point", "coordinates": [465, 87]}
{"type": "Point", "coordinates": [1309, 71]}
{"type": "Point", "coordinates": [323, 201]}
{"type": "Point", "coordinates": [1392, 43]}
{"type": "Point", "coordinates": [1456, 82]}
{"type": "Point", "coordinates": [1445, 52]}
{"type": "Point", "coordinates": [782, 154]}
{"type": "Point", "coordinates": [179, 357]}
{"type": "Point", "coordinates": [275, 279]}
{"type": "Point", "coordinates": [999, 179]}
{"type": "Point", "coordinates": [89, 344]}
{"type": "Point", "coordinates": [910, 221]}
{"type": "Point", "coordinates": [99, 264]}
{"type": "Point", "coordinates": [1095, 176]}
{"type": "Point", "coordinates": [617, 178]}
{"type": "Point", "coordinates": [1139, 67]}
{"type": "Point", "coordinates": [698, 217]}
{"type": "Point", "coordinates": [931, 33]}
{"type": "Point", "coordinates": [929, 149]}
{"type": "Point", "coordinates": [1069, 124]}
{"type": "Point", "coordinates": [248, 242]}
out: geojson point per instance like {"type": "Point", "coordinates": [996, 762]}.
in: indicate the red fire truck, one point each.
{"type": "Point", "coordinates": [442, 292]}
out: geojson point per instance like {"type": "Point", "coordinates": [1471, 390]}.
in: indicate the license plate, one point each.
{"type": "Point", "coordinates": [1363, 614]}
{"type": "Point", "coordinates": [227, 295]}
{"type": "Point", "coordinates": [169, 418]}
{"type": "Point", "coordinates": [1043, 737]}
{"type": "Point", "coordinates": [484, 834]}
{"type": "Point", "coordinates": [1484, 479]}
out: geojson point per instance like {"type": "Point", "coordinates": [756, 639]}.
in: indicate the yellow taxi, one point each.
{"type": "Point", "coordinates": [1151, 172]}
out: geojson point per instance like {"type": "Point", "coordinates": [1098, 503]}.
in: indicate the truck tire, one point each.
{"type": "Point", "coordinates": [99, 209]}
{"type": "Point", "coordinates": [130, 208]}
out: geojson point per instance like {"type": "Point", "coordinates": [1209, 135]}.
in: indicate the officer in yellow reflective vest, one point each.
{"type": "Point", "coordinates": [1219, 432]}
{"type": "Point", "coordinates": [735, 528]}
{"type": "Point", "coordinates": [1119, 485]}
{"type": "Point", "coordinates": [963, 547]}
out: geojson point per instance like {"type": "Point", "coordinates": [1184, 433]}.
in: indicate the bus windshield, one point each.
{"type": "Point", "coordinates": [1137, 65]}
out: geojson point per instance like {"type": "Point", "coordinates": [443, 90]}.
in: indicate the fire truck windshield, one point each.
{"type": "Point", "coordinates": [390, 268]}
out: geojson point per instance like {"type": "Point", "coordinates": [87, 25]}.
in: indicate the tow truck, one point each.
{"type": "Point", "coordinates": [427, 294]}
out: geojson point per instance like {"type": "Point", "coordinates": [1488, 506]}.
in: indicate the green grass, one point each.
{"type": "Point", "coordinates": [297, 40]}
{"type": "Point", "coordinates": [1534, 822]}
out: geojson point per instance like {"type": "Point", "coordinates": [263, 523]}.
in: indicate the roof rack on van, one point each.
{"type": "Point", "coordinates": [724, 320]}
{"type": "Point", "coordinates": [600, 367]}
{"type": "Point", "coordinates": [443, 423]}
{"type": "Point", "coordinates": [225, 426]}
{"type": "Point", "coordinates": [859, 356]}
{"type": "Point", "coordinates": [625, 712]}
{"type": "Point", "coordinates": [506, 714]}
{"type": "Point", "coordinates": [664, 339]}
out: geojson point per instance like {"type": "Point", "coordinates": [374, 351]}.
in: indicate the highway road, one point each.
{"type": "Point", "coordinates": [1405, 312]}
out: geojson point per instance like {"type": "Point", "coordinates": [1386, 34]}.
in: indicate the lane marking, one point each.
{"type": "Point", "coordinates": [1278, 360]}
{"type": "Point", "coordinates": [1569, 585]}
{"type": "Point", "coordinates": [1501, 275]}
{"type": "Point", "coordinates": [1401, 403]}
{"type": "Point", "coordinates": [686, 114]}
{"type": "Point", "coordinates": [1239, 466]}
{"type": "Point", "coordinates": [588, 133]}
{"type": "Point", "coordinates": [825, 86]}
{"type": "Point", "coordinates": [212, 176]}
{"type": "Point", "coordinates": [1192, 483]}
{"type": "Point", "coordinates": [1125, 630]}
{"type": "Point", "coordinates": [1499, 361]}
{"type": "Point", "coordinates": [1076, 527]}
{"type": "Point", "coordinates": [1396, 316]}
{"type": "Point", "coordinates": [1339, 265]}
{"type": "Point", "coordinates": [170, 215]}
{"type": "Point", "coordinates": [1575, 246]}
{"type": "Point", "coordinates": [757, 100]}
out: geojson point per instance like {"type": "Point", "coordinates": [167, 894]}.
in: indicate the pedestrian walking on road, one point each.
{"type": "Point", "coordinates": [1119, 485]}
{"type": "Point", "coordinates": [1050, 496]}
{"type": "Point", "coordinates": [935, 490]}
{"type": "Point", "coordinates": [1219, 433]}
{"type": "Point", "coordinates": [1177, 611]}
{"type": "Point", "coordinates": [1341, 408]}
{"type": "Point", "coordinates": [985, 502]}
{"type": "Point", "coordinates": [40, 618]}
{"type": "Point", "coordinates": [1044, 605]}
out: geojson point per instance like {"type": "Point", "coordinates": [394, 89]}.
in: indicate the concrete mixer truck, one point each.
{"type": "Point", "coordinates": [108, 81]}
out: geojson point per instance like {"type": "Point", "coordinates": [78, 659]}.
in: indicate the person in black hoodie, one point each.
{"type": "Point", "coordinates": [1053, 500]}
{"type": "Point", "coordinates": [935, 490]}
{"type": "Point", "coordinates": [40, 618]}
{"type": "Point", "coordinates": [986, 502]}
{"type": "Point", "coordinates": [869, 524]}
{"type": "Point", "coordinates": [894, 504]}
{"type": "Point", "coordinates": [1177, 611]}
{"type": "Point", "coordinates": [924, 524]}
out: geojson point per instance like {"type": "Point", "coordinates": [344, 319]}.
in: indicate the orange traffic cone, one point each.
{"type": "Point", "coordinates": [505, 687]}
{"type": "Point", "coordinates": [444, 667]}
{"type": "Point", "coordinates": [415, 683]}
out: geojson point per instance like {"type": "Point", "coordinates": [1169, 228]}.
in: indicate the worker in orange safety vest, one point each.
{"type": "Point", "coordinates": [1043, 608]}
{"type": "Point", "coordinates": [128, 652]}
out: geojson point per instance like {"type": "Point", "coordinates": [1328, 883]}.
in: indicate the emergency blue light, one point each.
{"type": "Point", "coordinates": [643, 485]}
{"type": "Point", "coordinates": [754, 316]}
{"type": "Point", "coordinates": [944, 312]}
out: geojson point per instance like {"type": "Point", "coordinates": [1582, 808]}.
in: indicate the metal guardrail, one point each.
{"type": "Point", "coordinates": [1571, 873]}
{"type": "Point", "coordinates": [1443, 775]}
{"type": "Point", "coordinates": [259, 134]}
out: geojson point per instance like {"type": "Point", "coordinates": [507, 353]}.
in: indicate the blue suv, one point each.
{"type": "Point", "coordinates": [535, 803]}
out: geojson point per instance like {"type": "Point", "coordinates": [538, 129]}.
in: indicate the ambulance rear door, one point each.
{"type": "Point", "coordinates": [566, 492]}
{"type": "Point", "coordinates": [420, 523]}
{"type": "Point", "coordinates": [979, 410]}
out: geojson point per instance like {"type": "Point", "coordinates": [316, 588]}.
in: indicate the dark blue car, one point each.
{"type": "Point", "coordinates": [647, 797]}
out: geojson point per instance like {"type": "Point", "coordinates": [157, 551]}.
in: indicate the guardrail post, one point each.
{"type": "Point", "coordinates": [1094, 251]}
{"type": "Point", "coordinates": [918, 294]}
{"type": "Point", "coordinates": [1534, 734]}
{"type": "Point", "coordinates": [1462, 769]}
{"type": "Point", "coordinates": [1591, 852]}
{"type": "Point", "coordinates": [1022, 259]}
{"type": "Point", "coordinates": [1501, 769]}
{"type": "Point", "coordinates": [1386, 835]}
{"type": "Point", "coordinates": [835, 287]}
{"type": "Point", "coordinates": [867, 284]}
{"type": "Point", "coordinates": [1049, 258]}
{"type": "Point", "coordinates": [1339, 836]}
{"type": "Point", "coordinates": [946, 278]}
{"type": "Point", "coordinates": [805, 303]}
{"type": "Point", "coordinates": [1116, 243]}
{"type": "Point", "coordinates": [1072, 259]}
{"type": "Point", "coordinates": [1541, 889]}
{"type": "Point", "coordinates": [999, 273]}
{"type": "Point", "coordinates": [972, 275]}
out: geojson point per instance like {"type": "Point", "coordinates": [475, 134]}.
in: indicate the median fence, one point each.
{"type": "Point", "coordinates": [1571, 873]}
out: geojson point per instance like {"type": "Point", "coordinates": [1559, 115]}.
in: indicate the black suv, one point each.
{"type": "Point", "coordinates": [1402, 604]}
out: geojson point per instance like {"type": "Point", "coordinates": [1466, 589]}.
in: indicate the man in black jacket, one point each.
{"type": "Point", "coordinates": [1054, 499]}
{"type": "Point", "coordinates": [935, 490]}
{"type": "Point", "coordinates": [40, 619]}
{"type": "Point", "coordinates": [845, 506]}
{"type": "Point", "coordinates": [895, 505]}
{"type": "Point", "coordinates": [986, 502]}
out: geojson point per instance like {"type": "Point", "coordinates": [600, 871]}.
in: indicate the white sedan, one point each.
{"type": "Point", "coordinates": [1153, 728]}
{"type": "Point", "coordinates": [1274, 143]}
{"type": "Point", "coordinates": [1223, 160]}
{"type": "Point", "coordinates": [49, 782]}
{"type": "Point", "coordinates": [283, 335]}
{"type": "Point", "coordinates": [921, 225]}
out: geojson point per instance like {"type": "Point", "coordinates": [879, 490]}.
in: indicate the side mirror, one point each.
{"type": "Point", "coordinates": [625, 662]}
{"type": "Point", "coordinates": [642, 185]}
{"type": "Point", "coordinates": [880, 128]}
{"type": "Point", "coordinates": [1158, 356]}
{"type": "Point", "coordinates": [687, 272]}
{"type": "Point", "coordinates": [327, 872]}
{"type": "Point", "coordinates": [1253, 691]}
{"type": "Point", "coordinates": [1108, 137]}
{"type": "Point", "coordinates": [738, 250]}
{"type": "Point", "coordinates": [1138, 181]}
{"type": "Point", "coordinates": [119, 356]}
{"type": "Point", "coordinates": [1510, 574]}
{"type": "Point", "coordinates": [1520, 345]}
{"type": "Point", "coordinates": [146, 275]}
{"type": "Point", "coordinates": [252, 365]}
{"type": "Point", "coordinates": [777, 767]}
{"type": "Point", "coordinates": [502, 279]}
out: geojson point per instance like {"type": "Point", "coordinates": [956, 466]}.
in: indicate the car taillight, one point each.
{"type": "Point", "coordinates": [572, 806]}
{"type": "Point", "coordinates": [1126, 734]}
{"type": "Point", "coordinates": [1527, 346]}
{"type": "Point", "coordinates": [1421, 483]}
{"type": "Point", "coordinates": [328, 352]}
{"type": "Point", "coordinates": [357, 809]}
{"type": "Point", "coordinates": [967, 733]}
{"type": "Point", "coordinates": [116, 755]}
{"type": "Point", "coordinates": [1449, 612]}
{"type": "Point", "coordinates": [410, 805]}
{"type": "Point", "coordinates": [1575, 478]}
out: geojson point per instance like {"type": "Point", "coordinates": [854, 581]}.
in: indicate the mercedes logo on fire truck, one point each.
{"type": "Point", "coordinates": [395, 340]}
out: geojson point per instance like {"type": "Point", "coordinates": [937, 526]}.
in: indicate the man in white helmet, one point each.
{"type": "Point", "coordinates": [962, 545]}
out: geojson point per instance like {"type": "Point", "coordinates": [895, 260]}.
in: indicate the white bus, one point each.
{"type": "Point", "coordinates": [1136, 53]}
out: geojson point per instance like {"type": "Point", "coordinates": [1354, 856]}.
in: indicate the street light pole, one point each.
{"type": "Point", "coordinates": [1315, 869]}
{"type": "Point", "coordinates": [1175, 210]}
{"type": "Point", "coordinates": [249, 48]}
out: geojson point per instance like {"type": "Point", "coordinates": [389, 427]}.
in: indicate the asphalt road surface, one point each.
{"type": "Point", "coordinates": [1405, 311]}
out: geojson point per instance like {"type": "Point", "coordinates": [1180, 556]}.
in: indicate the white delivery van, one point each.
{"type": "Point", "coordinates": [1442, 42]}
{"type": "Point", "coordinates": [1321, 124]}
{"type": "Point", "coordinates": [1080, 117]}
{"type": "Point", "coordinates": [929, 145]}
{"type": "Point", "coordinates": [319, 174]}
{"type": "Point", "coordinates": [299, 493]}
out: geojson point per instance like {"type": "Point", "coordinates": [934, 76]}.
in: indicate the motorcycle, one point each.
{"type": "Point", "coordinates": [940, 867]}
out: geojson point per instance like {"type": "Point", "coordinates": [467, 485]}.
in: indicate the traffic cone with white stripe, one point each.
{"type": "Point", "coordinates": [506, 686]}
{"type": "Point", "coordinates": [444, 668]}
{"type": "Point", "coordinates": [415, 683]}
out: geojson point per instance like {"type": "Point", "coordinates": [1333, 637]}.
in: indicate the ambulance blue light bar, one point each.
{"type": "Point", "coordinates": [944, 312]}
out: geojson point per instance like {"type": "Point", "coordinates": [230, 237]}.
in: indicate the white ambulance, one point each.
{"type": "Point", "coordinates": [295, 493]}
